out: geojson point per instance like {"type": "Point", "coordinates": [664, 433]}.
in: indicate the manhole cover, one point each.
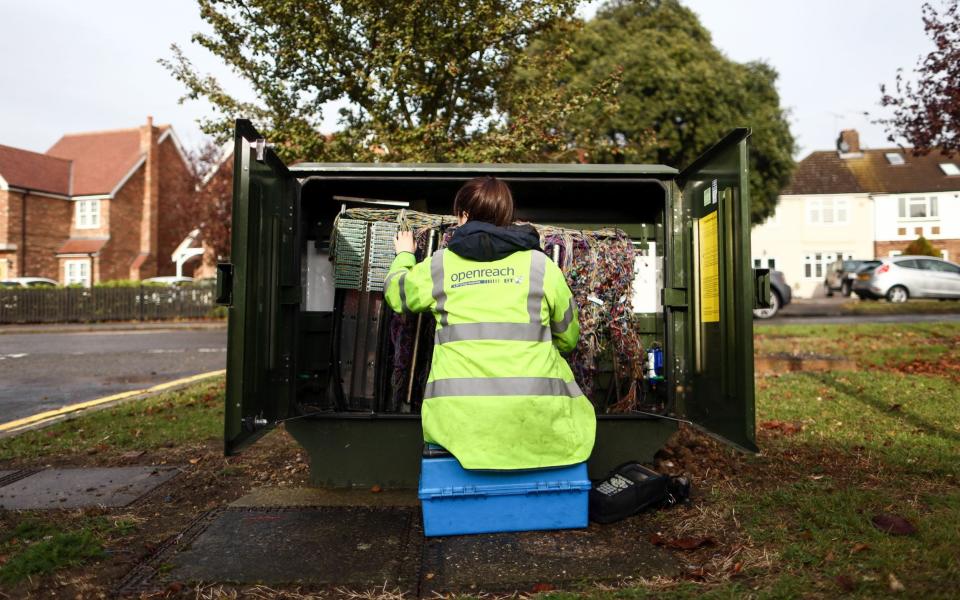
{"type": "Point", "coordinates": [77, 488]}
{"type": "Point", "coordinates": [519, 561]}
{"type": "Point", "coordinates": [344, 546]}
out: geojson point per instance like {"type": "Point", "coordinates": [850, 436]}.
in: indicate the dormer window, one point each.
{"type": "Point", "coordinates": [87, 214]}
{"type": "Point", "coordinates": [950, 169]}
{"type": "Point", "coordinates": [895, 158]}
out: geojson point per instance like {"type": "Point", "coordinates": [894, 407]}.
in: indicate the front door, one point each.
{"type": "Point", "coordinates": [261, 286]}
{"type": "Point", "coordinates": [715, 191]}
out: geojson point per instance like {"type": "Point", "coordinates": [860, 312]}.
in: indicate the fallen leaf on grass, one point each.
{"type": "Point", "coordinates": [893, 524]}
{"type": "Point", "coordinates": [542, 587]}
{"type": "Point", "coordinates": [784, 427]}
{"type": "Point", "coordinates": [376, 489]}
{"type": "Point", "coordinates": [845, 582]}
{"type": "Point", "coordinates": [859, 548]}
{"type": "Point", "coordinates": [699, 574]}
{"type": "Point", "coordinates": [132, 454]}
{"type": "Point", "coordinates": [687, 543]}
{"type": "Point", "coordinates": [194, 461]}
{"type": "Point", "coordinates": [895, 585]}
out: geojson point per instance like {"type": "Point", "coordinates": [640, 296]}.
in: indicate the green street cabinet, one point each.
{"type": "Point", "coordinates": [304, 353]}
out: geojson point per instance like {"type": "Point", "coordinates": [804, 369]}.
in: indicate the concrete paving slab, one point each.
{"type": "Point", "coordinates": [345, 546]}
{"type": "Point", "coordinates": [273, 497]}
{"type": "Point", "coordinates": [5, 473]}
{"type": "Point", "coordinates": [78, 488]}
{"type": "Point", "coordinates": [510, 562]}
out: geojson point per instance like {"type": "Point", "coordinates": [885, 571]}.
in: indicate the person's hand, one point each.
{"type": "Point", "coordinates": [404, 242]}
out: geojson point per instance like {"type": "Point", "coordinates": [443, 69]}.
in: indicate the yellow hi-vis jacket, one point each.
{"type": "Point", "coordinates": [499, 395]}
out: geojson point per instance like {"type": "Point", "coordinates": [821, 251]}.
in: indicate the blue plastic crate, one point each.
{"type": "Point", "coordinates": [457, 501]}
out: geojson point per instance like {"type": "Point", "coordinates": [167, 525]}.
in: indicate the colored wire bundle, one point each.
{"type": "Point", "coordinates": [599, 268]}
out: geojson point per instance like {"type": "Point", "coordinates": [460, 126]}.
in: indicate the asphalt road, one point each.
{"type": "Point", "coordinates": [44, 371]}
{"type": "Point", "coordinates": [850, 319]}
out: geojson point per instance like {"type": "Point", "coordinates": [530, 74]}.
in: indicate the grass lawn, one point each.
{"type": "Point", "coordinates": [882, 307]}
{"type": "Point", "coordinates": [840, 450]}
{"type": "Point", "coordinates": [189, 415]}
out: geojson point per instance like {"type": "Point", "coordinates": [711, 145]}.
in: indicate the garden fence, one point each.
{"type": "Point", "coordinates": [80, 305]}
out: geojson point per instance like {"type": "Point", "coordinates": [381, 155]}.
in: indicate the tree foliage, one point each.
{"type": "Point", "coordinates": [921, 247]}
{"type": "Point", "coordinates": [927, 112]}
{"type": "Point", "coordinates": [421, 78]}
{"type": "Point", "coordinates": [678, 94]}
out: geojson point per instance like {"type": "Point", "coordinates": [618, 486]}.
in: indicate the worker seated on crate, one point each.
{"type": "Point", "coordinates": [499, 395]}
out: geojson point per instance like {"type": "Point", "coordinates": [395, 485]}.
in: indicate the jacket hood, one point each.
{"type": "Point", "coordinates": [478, 240]}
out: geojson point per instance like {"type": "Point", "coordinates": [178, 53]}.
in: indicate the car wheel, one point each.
{"type": "Point", "coordinates": [845, 289]}
{"type": "Point", "coordinates": [766, 313]}
{"type": "Point", "coordinates": [898, 294]}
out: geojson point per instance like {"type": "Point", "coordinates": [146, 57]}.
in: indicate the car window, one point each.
{"type": "Point", "coordinates": [907, 264]}
{"type": "Point", "coordinates": [39, 284]}
{"type": "Point", "coordinates": [937, 265]}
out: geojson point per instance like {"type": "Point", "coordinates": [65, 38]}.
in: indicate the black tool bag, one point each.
{"type": "Point", "coordinates": [632, 488]}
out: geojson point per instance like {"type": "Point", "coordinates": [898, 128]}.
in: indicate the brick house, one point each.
{"type": "Point", "coordinates": [859, 203]}
{"type": "Point", "coordinates": [95, 207]}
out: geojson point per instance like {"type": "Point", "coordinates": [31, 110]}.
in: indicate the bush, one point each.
{"type": "Point", "coordinates": [921, 247]}
{"type": "Point", "coordinates": [126, 283]}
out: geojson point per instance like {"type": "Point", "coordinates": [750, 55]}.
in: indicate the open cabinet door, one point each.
{"type": "Point", "coordinates": [716, 194]}
{"type": "Point", "coordinates": [261, 287]}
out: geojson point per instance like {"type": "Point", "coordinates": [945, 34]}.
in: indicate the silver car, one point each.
{"type": "Point", "coordinates": [903, 277]}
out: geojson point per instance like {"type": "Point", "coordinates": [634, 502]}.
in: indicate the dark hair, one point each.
{"type": "Point", "coordinates": [485, 199]}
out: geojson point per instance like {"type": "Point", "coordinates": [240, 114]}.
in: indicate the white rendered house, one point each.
{"type": "Point", "coordinates": [858, 203]}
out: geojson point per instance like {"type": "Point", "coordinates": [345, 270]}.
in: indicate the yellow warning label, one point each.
{"type": "Point", "coordinates": [709, 270]}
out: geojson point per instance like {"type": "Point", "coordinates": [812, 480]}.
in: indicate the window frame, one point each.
{"type": "Point", "coordinates": [818, 264]}
{"type": "Point", "coordinates": [817, 207]}
{"type": "Point", "coordinates": [87, 214]}
{"type": "Point", "coordinates": [930, 204]}
{"type": "Point", "coordinates": [83, 271]}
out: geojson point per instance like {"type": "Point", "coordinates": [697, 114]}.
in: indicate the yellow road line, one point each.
{"type": "Point", "coordinates": [39, 417]}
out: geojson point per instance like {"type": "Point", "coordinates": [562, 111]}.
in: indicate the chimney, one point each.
{"type": "Point", "coordinates": [146, 264]}
{"type": "Point", "coordinates": [848, 142]}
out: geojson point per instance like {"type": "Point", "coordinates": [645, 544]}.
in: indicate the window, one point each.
{"type": "Point", "coordinates": [901, 231]}
{"type": "Point", "coordinates": [827, 211]}
{"type": "Point", "coordinates": [77, 271]}
{"type": "Point", "coordinates": [917, 208]}
{"type": "Point", "coordinates": [87, 214]}
{"type": "Point", "coordinates": [894, 158]}
{"type": "Point", "coordinates": [908, 264]}
{"type": "Point", "coordinates": [945, 254]}
{"type": "Point", "coordinates": [816, 265]}
{"type": "Point", "coordinates": [894, 253]}
{"type": "Point", "coordinates": [950, 169]}
{"type": "Point", "coordinates": [764, 263]}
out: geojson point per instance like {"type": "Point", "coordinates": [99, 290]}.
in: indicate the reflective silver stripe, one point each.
{"type": "Point", "coordinates": [538, 264]}
{"type": "Point", "coordinates": [502, 386]}
{"type": "Point", "coordinates": [562, 325]}
{"type": "Point", "coordinates": [522, 332]}
{"type": "Point", "coordinates": [389, 278]}
{"type": "Point", "coordinates": [436, 274]}
{"type": "Point", "coordinates": [403, 293]}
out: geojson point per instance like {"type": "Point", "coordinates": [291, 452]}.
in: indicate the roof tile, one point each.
{"type": "Point", "coordinates": [825, 172]}
{"type": "Point", "coordinates": [33, 171]}
{"type": "Point", "coordinates": [82, 246]}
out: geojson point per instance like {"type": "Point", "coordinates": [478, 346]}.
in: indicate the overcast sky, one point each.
{"type": "Point", "coordinates": [81, 66]}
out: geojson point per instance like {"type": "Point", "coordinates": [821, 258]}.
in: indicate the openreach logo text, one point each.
{"type": "Point", "coordinates": [475, 274]}
{"type": "Point", "coordinates": [484, 276]}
